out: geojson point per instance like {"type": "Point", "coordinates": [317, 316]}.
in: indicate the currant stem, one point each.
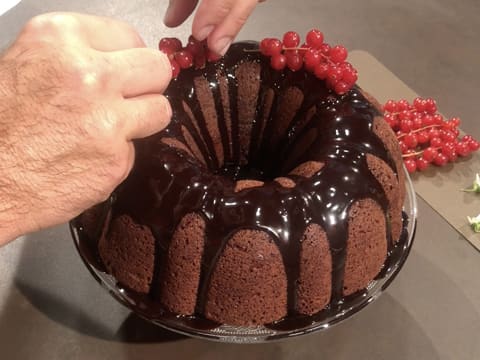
{"type": "Point", "coordinates": [409, 155]}
{"type": "Point", "coordinates": [418, 130]}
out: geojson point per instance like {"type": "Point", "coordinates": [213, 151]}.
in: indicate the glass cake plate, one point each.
{"type": "Point", "coordinates": [201, 328]}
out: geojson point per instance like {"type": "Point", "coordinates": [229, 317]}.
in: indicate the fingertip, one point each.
{"type": "Point", "coordinates": [149, 114]}
{"type": "Point", "coordinates": [178, 11]}
{"type": "Point", "coordinates": [221, 45]}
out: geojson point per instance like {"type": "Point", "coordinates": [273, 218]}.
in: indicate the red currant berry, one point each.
{"type": "Point", "coordinates": [430, 106]}
{"type": "Point", "coordinates": [433, 133]}
{"type": "Point", "coordinates": [294, 60]}
{"type": "Point", "coordinates": [321, 71]}
{"type": "Point", "coordinates": [264, 46]}
{"type": "Point", "coordinates": [213, 57]}
{"type": "Point", "coordinates": [275, 47]}
{"type": "Point", "coordinates": [291, 39]}
{"type": "Point", "coordinates": [402, 105]}
{"type": "Point", "coordinates": [411, 165]}
{"type": "Point", "coordinates": [184, 59]}
{"type": "Point", "coordinates": [430, 153]}
{"type": "Point", "coordinates": [436, 142]}
{"type": "Point", "coordinates": [462, 149]}
{"type": "Point", "coordinates": [411, 141]}
{"type": "Point", "coordinates": [350, 76]}
{"type": "Point", "coordinates": [427, 120]}
{"type": "Point", "coordinates": [473, 145]}
{"type": "Point", "coordinates": [455, 121]}
{"type": "Point", "coordinates": [278, 62]}
{"type": "Point", "coordinates": [169, 45]}
{"type": "Point", "coordinates": [391, 120]}
{"type": "Point", "coordinates": [314, 38]}
{"type": "Point", "coordinates": [406, 125]}
{"type": "Point", "coordinates": [422, 164]}
{"type": "Point", "coordinates": [175, 68]}
{"type": "Point", "coordinates": [312, 58]}
{"type": "Point", "coordinates": [467, 138]}
{"type": "Point", "coordinates": [405, 115]}
{"type": "Point", "coordinates": [200, 59]}
{"type": "Point", "coordinates": [449, 150]}
{"type": "Point", "coordinates": [438, 119]}
{"type": "Point", "coordinates": [419, 104]}
{"type": "Point", "coordinates": [325, 49]}
{"type": "Point", "coordinates": [342, 88]}
{"type": "Point", "coordinates": [195, 47]}
{"type": "Point", "coordinates": [440, 160]}
{"type": "Point", "coordinates": [447, 135]}
{"type": "Point", "coordinates": [338, 54]}
{"type": "Point", "coordinates": [453, 157]}
{"type": "Point", "coordinates": [417, 123]}
{"type": "Point", "coordinates": [422, 137]}
{"type": "Point", "coordinates": [449, 125]}
{"type": "Point", "coordinates": [403, 146]}
{"type": "Point", "coordinates": [390, 106]}
{"type": "Point", "coordinates": [334, 74]}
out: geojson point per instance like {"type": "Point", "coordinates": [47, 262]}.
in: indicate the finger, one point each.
{"type": "Point", "coordinates": [145, 115]}
{"type": "Point", "coordinates": [209, 14]}
{"type": "Point", "coordinates": [178, 11]}
{"type": "Point", "coordinates": [100, 33]}
{"type": "Point", "coordinates": [220, 21]}
{"type": "Point", "coordinates": [223, 34]}
{"type": "Point", "coordinates": [139, 71]}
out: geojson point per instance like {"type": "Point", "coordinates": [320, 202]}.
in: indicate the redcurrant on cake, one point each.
{"type": "Point", "coordinates": [276, 192]}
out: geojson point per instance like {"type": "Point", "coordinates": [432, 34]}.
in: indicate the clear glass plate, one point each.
{"type": "Point", "coordinates": [194, 327]}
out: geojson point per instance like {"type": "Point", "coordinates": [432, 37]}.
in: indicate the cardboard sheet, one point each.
{"type": "Point", "coordinates": [439, 187]}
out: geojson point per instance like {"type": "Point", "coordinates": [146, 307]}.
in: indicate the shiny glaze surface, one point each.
{"type": "Point", "coordinates": [167, 183]}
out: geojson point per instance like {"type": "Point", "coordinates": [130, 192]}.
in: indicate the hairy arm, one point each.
{"type": "Point", "coordinates": [11, 204]}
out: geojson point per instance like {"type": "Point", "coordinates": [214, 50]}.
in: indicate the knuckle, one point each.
{"type": "Point", "coordinates": [100, 129]}
{"type": "Point", "coordinates": [128, 32]}
{"type": "Point", "coordinates": [240, 20]}
{"type": "Point", "coordinates": [105, 126]}
{"type": "Point", "coordinates": [51, 23]}
{"type": "Point", "coordinates": [88, 75]}
{"type": "Point", "coordinates": [223, 9]}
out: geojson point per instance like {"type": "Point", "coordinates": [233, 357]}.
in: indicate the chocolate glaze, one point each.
{"type": "Point", "coordinates": [166, 183]}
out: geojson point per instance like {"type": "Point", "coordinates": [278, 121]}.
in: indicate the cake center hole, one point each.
{"type": "Point", "coordinates": [245, 172]}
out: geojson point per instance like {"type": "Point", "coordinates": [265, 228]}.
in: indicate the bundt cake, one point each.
{"type": "Point", "coordinates": [267, 197]}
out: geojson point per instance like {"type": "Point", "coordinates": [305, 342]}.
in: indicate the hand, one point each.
{"type": "Point", "coordinates": [218, 21]}
{"type": "Point", "coordinates": [75, 91]}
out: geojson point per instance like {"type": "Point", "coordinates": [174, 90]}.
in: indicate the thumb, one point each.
{"type": "Point", "coordinates": [178, 11]}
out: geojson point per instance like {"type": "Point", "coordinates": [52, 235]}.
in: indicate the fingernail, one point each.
{"type": "Point", "coordinates": [203, 33]}
{"type": "Point", "coordinates": [222, 45]}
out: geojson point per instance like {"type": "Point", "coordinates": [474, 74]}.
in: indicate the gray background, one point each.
{"type": "Point", "coordinates": [50, 307]}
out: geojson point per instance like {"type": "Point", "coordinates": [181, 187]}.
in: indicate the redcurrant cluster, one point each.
{"type": "Point", "coordinates": [326, 62]}
{"type": "Point", "coordinates": [195, 53]}
{"type": "Point", "coordinates": [425, 137]}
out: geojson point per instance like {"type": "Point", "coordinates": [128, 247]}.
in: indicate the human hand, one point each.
{"type": "Point", "coordinates": [75, 90]}
{"type": "Point", "coordinates": [218, 21]}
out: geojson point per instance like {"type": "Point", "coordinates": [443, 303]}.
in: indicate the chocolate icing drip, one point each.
{"type": "Point", "coordinates": [166, 183]}
{"type": "Point", "coordinates": [212, 78]}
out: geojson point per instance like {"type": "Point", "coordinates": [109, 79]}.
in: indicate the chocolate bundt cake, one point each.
{"type": "Point", "coordinates": [268, 196]}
